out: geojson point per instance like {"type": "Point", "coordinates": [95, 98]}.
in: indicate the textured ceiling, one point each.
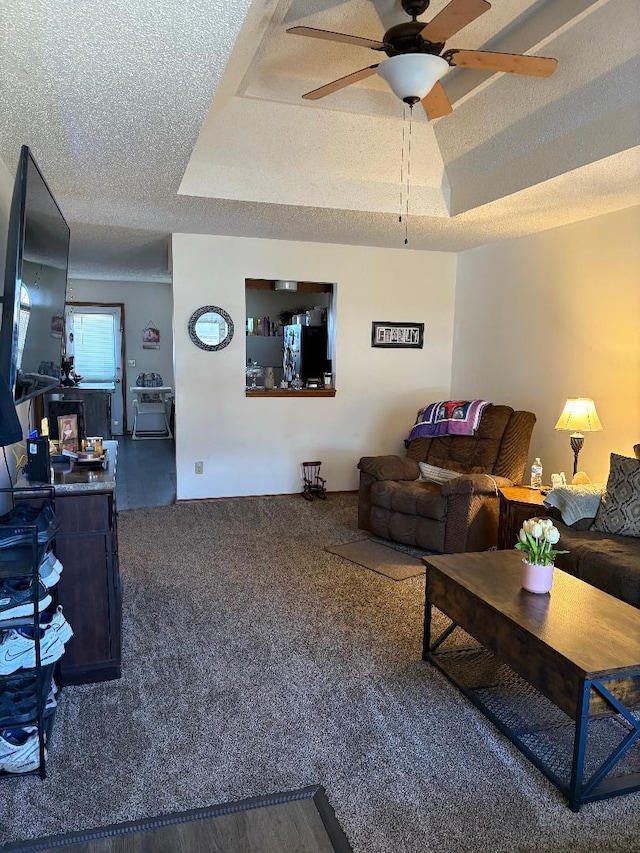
{"type": "Point", "coordinates": [164, 116]}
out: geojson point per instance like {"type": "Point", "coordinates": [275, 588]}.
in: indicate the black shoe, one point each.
{"type": "Point", "coordinates": [19, 702]}
{"type": "Point", "coordinates": [23, 515]}
{"type": "Point", "coordinates": [16, 598]}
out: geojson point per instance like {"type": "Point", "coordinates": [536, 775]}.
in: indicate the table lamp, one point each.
{"type": "Point", "coordinates": [579, 415]}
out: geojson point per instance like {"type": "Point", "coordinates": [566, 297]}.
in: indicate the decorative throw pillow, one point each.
{"type": "Point", "coordinates": [433, 474]}
{"type": "Point", "coordinates": [449, 465]}
{"type": "Point", "coordinates": [619, 510]}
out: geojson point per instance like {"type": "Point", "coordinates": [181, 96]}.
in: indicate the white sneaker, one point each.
{"type": "Point", "coordinates": [51, 703]}
{"type": "Point", "coordinates": [18, 649]}
{"type": "Point", "coordinates": [19, 750]}
{"type": "Point", "coordinates": [58, 624]}
{"type": "Point", "coordinates": [50, 569]}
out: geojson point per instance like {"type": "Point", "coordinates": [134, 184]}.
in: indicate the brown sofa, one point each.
{"type": "Point", "coordinates": [462, 514]}
{"type": "Point", "coordinates": [606, 560]}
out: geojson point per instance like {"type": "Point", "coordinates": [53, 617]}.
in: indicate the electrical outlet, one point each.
{"type": "Point", "coordinates": [199, 467]}
{"type": "Point", "coordinates": [131, 362]}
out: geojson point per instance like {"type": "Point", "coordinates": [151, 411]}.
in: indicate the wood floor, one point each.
{"type": "Point", "coordinates": [300, 821]}
{"type": "Point", "coordinates": [277, 829]}
{"type": "Point", "coordinates": [146, 473]}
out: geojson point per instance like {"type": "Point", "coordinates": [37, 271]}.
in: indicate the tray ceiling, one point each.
{"type": "Point", "coordinates": [160, 117]}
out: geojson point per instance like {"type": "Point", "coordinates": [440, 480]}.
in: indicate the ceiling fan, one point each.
{"type": "Point", "coordinates": [416, 62]}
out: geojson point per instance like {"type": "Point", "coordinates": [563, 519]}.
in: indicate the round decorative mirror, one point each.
{"type": "Point", "coordinates": [210, 328]}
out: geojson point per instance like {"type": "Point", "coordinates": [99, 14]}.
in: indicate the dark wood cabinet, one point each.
{"type": "Point", "coordinates": [97, 408]}
{"type": "Point", "coordinates": [89, 589]}
{"type": "Point", "coordinates": [517, 504]}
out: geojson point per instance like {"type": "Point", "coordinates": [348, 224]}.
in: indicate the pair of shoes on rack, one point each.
{"type": "Point", "coordinates": [16, 597]}
{"type": "Point", "coordinates": [50, 569]}
{"type": "Point", "coordinates": [19, 749]}
{"type": "Point", "coordinates": [22, 518]}
{"type": "Point", "coordinates": [18, 647]}
{"type": "Point", "coordinates": [19, 700]}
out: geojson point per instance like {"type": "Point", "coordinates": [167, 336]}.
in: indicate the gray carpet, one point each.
{"type": "Point", "coordinates": [254, 662]}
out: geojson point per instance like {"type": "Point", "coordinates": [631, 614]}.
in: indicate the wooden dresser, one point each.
{"type": "Point", "coordinates": [89, 589]}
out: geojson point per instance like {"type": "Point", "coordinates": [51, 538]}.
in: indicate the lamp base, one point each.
{"type": "Point", "coordinates": [577, 440]}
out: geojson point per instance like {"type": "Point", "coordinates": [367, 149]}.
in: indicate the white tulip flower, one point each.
{"type": "Point", "coordinates": [552, 535]}
{"type": "Point", "coordinates": [536, 539]}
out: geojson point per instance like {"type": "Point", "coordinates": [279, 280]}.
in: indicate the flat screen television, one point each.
{"type": "Point", "coordinates": [35, 285]}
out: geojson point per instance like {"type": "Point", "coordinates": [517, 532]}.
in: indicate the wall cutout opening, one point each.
{"type": "Point", "coordinates": [290, 336]}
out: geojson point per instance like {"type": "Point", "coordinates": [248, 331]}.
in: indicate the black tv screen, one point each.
{"type": "Point", "coordinates": [35, 285]}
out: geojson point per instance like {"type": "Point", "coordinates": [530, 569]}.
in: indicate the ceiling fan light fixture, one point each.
{"type": "Point", "coordinates": [412, 76]}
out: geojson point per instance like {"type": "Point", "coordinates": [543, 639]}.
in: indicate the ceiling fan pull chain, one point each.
{"type": "Point", "coordinates": [404, 124]}
{"type": "Point", "coordinates": [406, 219]}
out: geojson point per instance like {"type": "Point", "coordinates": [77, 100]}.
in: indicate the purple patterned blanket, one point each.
{"type": "Point", "coordinates": [448, 417]}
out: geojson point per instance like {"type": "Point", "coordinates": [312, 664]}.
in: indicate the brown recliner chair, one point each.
{"type": "Point", "coordinates": [462, 514]}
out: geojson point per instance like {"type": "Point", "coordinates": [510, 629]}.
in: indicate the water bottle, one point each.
{"type": "Point", "coordinates": [536, 474]}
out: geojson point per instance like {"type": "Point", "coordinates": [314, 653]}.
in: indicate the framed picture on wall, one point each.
{"type": "Point", "coordinates": [397, 335]}
{"type": "Point", "coordinates": [150, 337]}
{"type": "Point", "coordinates": [57, 326]}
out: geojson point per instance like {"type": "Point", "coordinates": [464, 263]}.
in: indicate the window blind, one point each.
{"type": "Point", "coordinates": [94, 346]}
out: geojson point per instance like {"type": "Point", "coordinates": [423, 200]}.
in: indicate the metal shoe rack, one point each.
{"type": "Point", "coordinates": [20, 561]}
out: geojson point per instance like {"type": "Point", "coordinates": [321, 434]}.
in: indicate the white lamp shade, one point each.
{"type": "Point", "coordinates": [282, 284]}
{"type": "Point", "coordinates": [579, 415]}
{"type": "Point", "coordinates": [411, 76]}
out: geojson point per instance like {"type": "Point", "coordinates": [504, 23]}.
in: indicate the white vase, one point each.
{"type": "Point", "coordinates": [535, 578]}
{"type": "Point", "coordinates": [269, 381]}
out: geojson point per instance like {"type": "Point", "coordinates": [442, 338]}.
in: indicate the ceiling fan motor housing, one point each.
{"type": "Point", "coordinates": [406, 38]}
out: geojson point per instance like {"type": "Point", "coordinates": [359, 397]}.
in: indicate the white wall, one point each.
{"type": "Point", "coordinates": [255, 446]}
{"type": "Point", "coordinates": [552, 316]}
{"type": "Point", "coordinates": [144, 302]}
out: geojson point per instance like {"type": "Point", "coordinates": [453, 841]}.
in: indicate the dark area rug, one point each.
{"type": "Point", "coordinates": [380, 558]}
{"type": "Point", "coordinates": [301, 821]}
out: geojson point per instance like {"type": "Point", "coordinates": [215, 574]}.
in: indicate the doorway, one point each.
{"type": "Point", "coordinates": [95, 338]}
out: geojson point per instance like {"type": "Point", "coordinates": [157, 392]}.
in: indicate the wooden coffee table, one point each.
{"type": "Point", "coordinates": [559, 674]}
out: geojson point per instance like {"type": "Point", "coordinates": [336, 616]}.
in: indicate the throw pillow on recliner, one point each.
{"type": "Point", "coordinates": [434, 474]}
{"type": "Point", "coordinates": [619, 510]}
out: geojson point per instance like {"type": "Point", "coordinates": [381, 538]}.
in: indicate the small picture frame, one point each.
{"type": "Point", "coordinates": [57, 326]}
{"type": "Point", "coordinates": [397, 335]}
{"type": "Point", "coordinates": [150, 337]}
{"type": "Point", "coordinates": [68, 432]}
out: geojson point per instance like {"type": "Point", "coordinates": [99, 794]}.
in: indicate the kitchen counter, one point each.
{"type": "Point", "coordinates": [74, 478]}
{"type": "Point", "coordinates": [289, 392]}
